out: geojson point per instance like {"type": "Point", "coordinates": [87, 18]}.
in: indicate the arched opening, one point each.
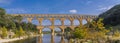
{"type": "Point", "coordinates": [67, 22]}
{"type": "Point", "coordinates": [25, 20]}
{"type": "Point", "coordinates": [46, 35]}
{"type": "Point", "coordinates": [84, 21]}
{"type": "Point", "coordinates": [57, 22]}
{"type": "Point", "coordinates": [46, 22]}
{"type": "Point", "coordinates": [76, 22]}
{"type": "Point", "coordinates": [35, 22]}
{"type": "Point", "coordinates": [57, 30]}
{"type": "Point", "coordinates": [46, 30]}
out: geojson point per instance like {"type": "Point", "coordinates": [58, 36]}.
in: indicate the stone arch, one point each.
{"type": "Point", "coordinates": [67, 22]}
{"type": "Point", "coordinates": [35, 21]}
{"type": "Point", "coordinates": [29, 19]}
{"type": "Point", "coordinates": [25, 20]}
{"type": "Point", "coordinates": [57, 29]}
{"type": "Point", "coordinates": [44, 30]}
{"type": "Point", "coordinates": [84, 21]}
{"type": "Point", "coordinates": [91, 20]}
{"type": "Point", "coordinates": [46, 22]}
{"type": "Point", "coordinates": [68, 28]}
{"type": "Point", "coordinates": [76, 22]}
{"type": "Point", "coordinates": [57, 22]}
{"type": "Point", "coordinates": [88, 20]}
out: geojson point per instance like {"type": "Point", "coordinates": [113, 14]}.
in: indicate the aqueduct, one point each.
{"type": "Point", "coordinates": [52, 17]}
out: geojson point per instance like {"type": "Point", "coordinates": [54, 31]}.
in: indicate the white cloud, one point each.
{"type": "Point", "coordinates": [102, 8]}
{"type": "Point", "coordinates": [5, 1]}
{"type": "Point", "coordinates": [73, 11]}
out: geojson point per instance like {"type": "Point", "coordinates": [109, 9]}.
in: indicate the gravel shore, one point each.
{"type": "Point", "coordinates": [9, 40]}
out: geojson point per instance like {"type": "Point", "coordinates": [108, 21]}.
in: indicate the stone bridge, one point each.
{"type": "Point", "coordinates": [53, 17]}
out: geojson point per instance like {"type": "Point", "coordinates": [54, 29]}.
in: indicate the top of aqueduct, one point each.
{"type": "Point", "coordinates": [57, 15]}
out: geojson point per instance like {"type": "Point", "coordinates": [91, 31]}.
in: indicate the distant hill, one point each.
{"type": "Point", "coordinates": [112, 16]}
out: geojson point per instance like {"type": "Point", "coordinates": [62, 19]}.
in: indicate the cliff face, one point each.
{"type": "Point", "coordinates": [112, 16]}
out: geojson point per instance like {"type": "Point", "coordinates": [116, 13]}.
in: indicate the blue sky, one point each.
{"type": "Point", "coordinates": [89, 7]}
{"type": "Point", "coordinates": [93, 7]}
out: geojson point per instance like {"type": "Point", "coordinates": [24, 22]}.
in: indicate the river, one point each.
{"type": "Point", "coordinates": [46, 38]}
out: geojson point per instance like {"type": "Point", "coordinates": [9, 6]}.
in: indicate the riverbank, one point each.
{"type": "Point", "coordinates": [10, 40]}
{"type": "Point", "coordinates": [15, 39]}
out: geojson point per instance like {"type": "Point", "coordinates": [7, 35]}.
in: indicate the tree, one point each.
{"type": "Point", "coordinates": [2, 12]}
{"type": "Point", "coordinates": [95, 31]}
{"type": "Point", "coordinates": [99, 26]}
{"type": "Point", "coordinates": [18, 19]}
{"type": "Point", "coordinates": [80, 33]}
{"type": "Point", "coordinates": [21, 32]}
{"type": "Point", "coordinates": [7, 21]}
{"type": "Point", "coordinates": [14, 23]}
{"type": "Point", "coordinates": [112, 16]}
{"type": "Point", "coordinates": [98, 31]}
{"type": "Point", "coordinates": [116, 33]}
{"type": "Point", "coordinates": [17, 33]}
{"type": "Point", "coordinates": [4, 32]}
{"type": "Point", "coordinates": [68, 29]}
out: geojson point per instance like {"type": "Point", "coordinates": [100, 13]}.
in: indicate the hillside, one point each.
{"type": "Point", "coordinates": [112, 16]}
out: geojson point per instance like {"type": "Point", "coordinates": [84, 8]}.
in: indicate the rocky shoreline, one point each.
{"type": "Point", "coordinates": [15, 39]}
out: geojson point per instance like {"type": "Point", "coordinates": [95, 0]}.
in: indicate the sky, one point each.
{"type": "Point", "coordinates": [81, 7]}
{"type": "Point", "coordinates": [91, 7]}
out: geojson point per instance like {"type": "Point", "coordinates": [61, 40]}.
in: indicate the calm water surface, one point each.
{"type": "Point", "coordinates": [46, 38]}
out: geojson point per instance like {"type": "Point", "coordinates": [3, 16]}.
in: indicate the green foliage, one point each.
{"type": "Point", "coordinates": [21, 32]}
{"type": "Point", "coordinates": [18, 19]}
{"type": "Point", "coordinates": [7, 21]}
{"type": "Point", "coordinates": [98, 30]}
{"type": "Point", "coordinates": [98, 26]}
{"type": "Point", "coordinates": [16, 33]}
{"type": "Point", "coordinates": [94, 32]}
{"type": "Point", "coordinates": [116, 33]}
{"type": "Point", "coordinates": [4, 32]}
{"type": "Point", "coordinates": [2, 11]}
{"type": "Point", "coordinates": [68, 29]}
{"type": "Point", "coordinates": [80, 33]}
{"type": "Point", "coordinates": [15, 23]}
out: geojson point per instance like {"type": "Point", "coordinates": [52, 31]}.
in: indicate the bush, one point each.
{"type": "Point", "coordinates": [4, 32]}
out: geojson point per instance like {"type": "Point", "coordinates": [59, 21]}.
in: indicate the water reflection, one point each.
{"type": "Point", "coordinates": [47, 38]}
{"type": "Point", "coordinates": [39, 39]}
{"type": "Point", "coordinates": [62, 39]}
{"type": "Point", "coordinates": [50, 39]}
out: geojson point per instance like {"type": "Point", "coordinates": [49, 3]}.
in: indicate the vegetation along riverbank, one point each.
{"type": "Point", "coordinates": [104, 29]}
{"type": "Point", "coordinates": [12, 28]}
